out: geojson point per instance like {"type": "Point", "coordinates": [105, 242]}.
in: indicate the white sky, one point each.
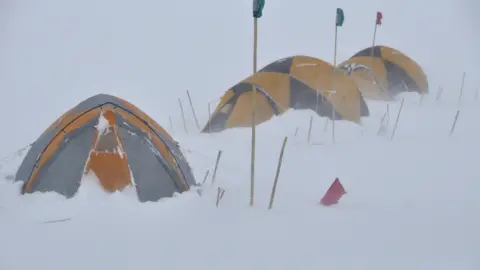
{"type": "Point", "coordinates": [55, 53]}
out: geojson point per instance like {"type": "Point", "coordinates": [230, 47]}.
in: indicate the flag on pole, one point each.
{"type": "Point", "coordinates": [340, 18]}
{"type": "Point", "coordinates": [379, 18]}
{"type": "Point", "coordinates": [258, 8]}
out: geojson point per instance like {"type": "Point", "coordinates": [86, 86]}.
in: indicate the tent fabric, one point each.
{"type": "Point", "coordinates": [235, 107]}
{"type": "Point", "coordinates": [332, 85]}
{"type": "Point", "coordinates": [109, 138]}
{"type": "Point", "coordinates": [291, 82]}
{"type": "Point", "coordinates": [383, 72]}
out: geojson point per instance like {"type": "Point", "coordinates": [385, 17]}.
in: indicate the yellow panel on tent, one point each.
{"type": "Point", "coordinates": [241, 115]}
{"type": "Point", "coordinates": [289, 83]}
{"type": "Point", "coordinates": [235, 107]}
{"type": "Point", "coordinates": [408, 65]}
{"type": "Point", "coordinates": [370, 76]}
{"type": "Point", "coordinates": [389, 71]}
{"type": "Point", "coordinates": [337, 88]}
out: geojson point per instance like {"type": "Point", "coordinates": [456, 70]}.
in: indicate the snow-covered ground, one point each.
{"type": "Point", "coordinates": [412, 202]}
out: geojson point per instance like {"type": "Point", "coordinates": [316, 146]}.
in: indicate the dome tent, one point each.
{"type": "Point", "coordinates": [109, 138]}
{"type": "Point", "coordinates": [384, 72]}
{"type": "Point", "coordinates": [289, 83]}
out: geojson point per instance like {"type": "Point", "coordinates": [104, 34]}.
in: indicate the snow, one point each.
{"type": "Point", "coordinates": [412, 202]}
{"type": "Point", "coordinates": [103, 126]}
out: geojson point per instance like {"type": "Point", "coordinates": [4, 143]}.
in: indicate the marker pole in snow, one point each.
{"type": "Point", "coordinates": [183, 116]}
{"type": "Point", "coordinates": [378, 21]}
{"type": "Point", "coordinates": [193, 109]}
{"type": "Point", "coordinates": [454, 123]}
{"type": "Point", "coordinates": [257, 13]}
{"type": "Point", "coordinates": [338, 23]}
{"type": "Point", "coordinates": [277, 174]}
{"type": "Point", "coordinates": [398, 118]}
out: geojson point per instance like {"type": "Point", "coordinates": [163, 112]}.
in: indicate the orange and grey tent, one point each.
{"type": "Point", "coordinates": [297, 82]}
{"type": "Point", "coordinates": [383, 72]}
{"type": "Point", "coordinates": [111, 139]}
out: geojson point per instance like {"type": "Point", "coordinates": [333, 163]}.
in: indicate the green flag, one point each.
{"type": "Point", "coordinates": [340, 18]}
{"type": "Point", "coordinates": [258, 8]}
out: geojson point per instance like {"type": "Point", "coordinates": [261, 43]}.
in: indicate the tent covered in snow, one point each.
{"type": "Point", "coordinates": [109, 139]}
{"type": "Point", "coordinates": [383, 72]}
{"type": "Point", "coordinates": [296, 82]}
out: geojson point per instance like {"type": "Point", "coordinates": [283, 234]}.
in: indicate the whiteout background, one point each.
{"type": "Point", "coordinates": [412, 203]}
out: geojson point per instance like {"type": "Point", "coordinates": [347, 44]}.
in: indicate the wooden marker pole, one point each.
{"type": "Point", "coordinates": [333, 122]}
{"type": "Point", "coordinates": [454, 123]}
{"type": "Point", "coordinates": [219, 155]}
{"type": "Point", "coordinates": [439, 93]}
{"type": "Point", "coordinates": [193, 109]}
{"type": "Point", "coordinates": [277, 174]}
{"type": "Point", "coordinates": [398, 118]}
{"type": "Point", "coordinates": [254, 105]}
{"type": "Point", "coordinates": [258, 6]}
{"type": "Point", "coordinates": [340, 18]}
{"type": "Point", "coordinates": [205, 177]}
{"type": "Point", "coordinates": [378, 21]}
{"type": "Point", "coordinates": [183, 115]}
{"type": "Point", "coordinates": [334, 86]}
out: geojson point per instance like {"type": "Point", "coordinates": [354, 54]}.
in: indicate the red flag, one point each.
{"type": "Point", "coordinates": [379, 18]}
{"type": "Point", "coordinates": [334, 193]}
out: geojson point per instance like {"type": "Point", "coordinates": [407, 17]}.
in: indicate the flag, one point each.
{"type": "Point", "coordinates": [334, 193]}
{"type": "Point", "coordinates": [379, 18]}
{"type": "Point", "coordinates": [340, 17]}
{"type": "Point", "coordinates": [258, 8]}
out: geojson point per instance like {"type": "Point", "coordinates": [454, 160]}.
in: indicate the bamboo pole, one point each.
{"type": "Point", "coordinates": [277, 174]}
{"type": "Point", "coordinates": [193, 109]}
{"type": "Point", "coordinates": [254, 105]}
{"type": "Point", "coordinates": [334, 86]}
{"type": "Point", "coordinates": [398, 118]}
{"type": "Point", "coordinates": [205, 177]}
{"type": "Point", "coordinates": [220, 192]}
{"type": "Point", "coordinates": [439, 93]}
{"type": "Point", "coordinates": [216, 166]}
{"type": "Point", "coordinates": [183, 115]}
{"type": "Point", "coordinates": [454, 123]}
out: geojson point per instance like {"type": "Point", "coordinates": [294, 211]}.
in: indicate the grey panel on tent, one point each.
{"type": "Point", "coordinates": [64, 171]}
{"type": "Point", "coordinates": [180, 159]}
{"type": "Point", "coordinates": [28, 163]}
{"type": "Point", "coordinates": [151, 173]}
